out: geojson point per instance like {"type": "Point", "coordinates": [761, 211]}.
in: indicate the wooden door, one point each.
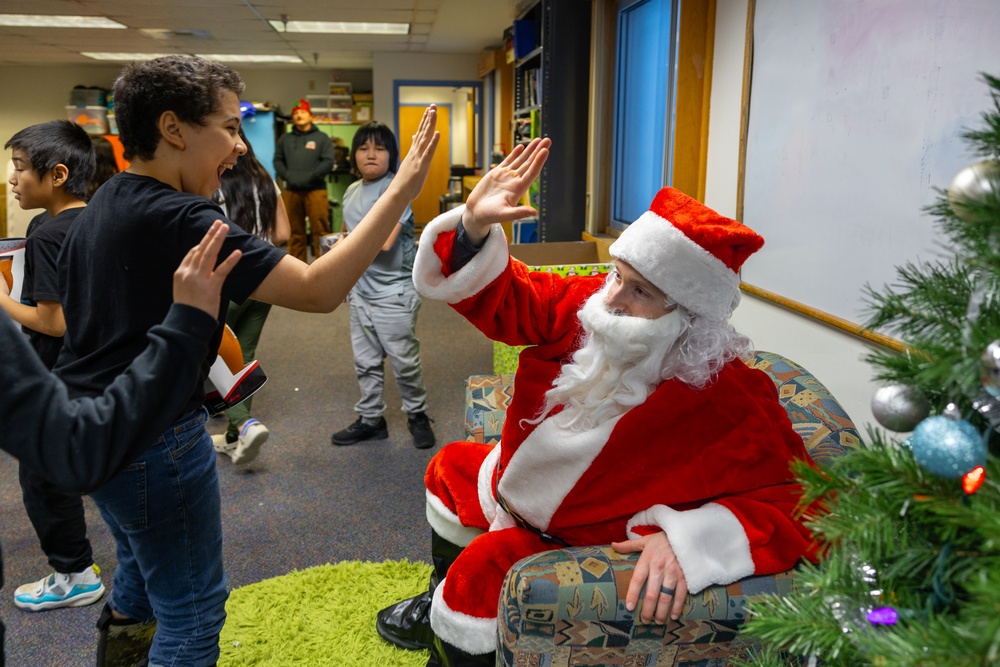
{"type": "Point", "coordinates": [428, 204]}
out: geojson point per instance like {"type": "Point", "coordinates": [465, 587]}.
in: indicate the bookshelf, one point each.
{"type": "Point", "coordinates": [551, 49]}
{"type": "Point", "coordinates": [334, 107]}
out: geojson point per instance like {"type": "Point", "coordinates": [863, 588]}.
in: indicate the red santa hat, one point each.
{"type": "Point", "coordinates": [690, 252]}
{"type": "Point", "coordinates": [304, 106]}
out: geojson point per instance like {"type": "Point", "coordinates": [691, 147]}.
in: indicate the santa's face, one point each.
{"type": "Point", "coordinates": [631, 294]}
{"type": "Point", "coordinates": [620, 363]}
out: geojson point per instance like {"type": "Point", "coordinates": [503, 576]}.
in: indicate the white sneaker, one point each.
{"type": "Point", "coordinates": [222, 446]}
{"type": "Point", "coordinates": [57, 590]}
{"type": "Point", "coordinates": [253, 434]}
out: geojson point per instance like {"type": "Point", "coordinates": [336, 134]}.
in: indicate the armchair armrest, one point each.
{"type": "Point", "coordinates": [567, 607]}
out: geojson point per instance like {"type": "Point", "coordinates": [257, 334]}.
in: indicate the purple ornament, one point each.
{"type": "Point", "coordinates": [882, 616]}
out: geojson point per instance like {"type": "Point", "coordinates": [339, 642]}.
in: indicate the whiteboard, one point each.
{"type": "Point", "coordinates": [856, 113]}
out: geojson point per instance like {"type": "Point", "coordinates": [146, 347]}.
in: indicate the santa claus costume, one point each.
{"type": "Point", "coordinates": [709, 466]}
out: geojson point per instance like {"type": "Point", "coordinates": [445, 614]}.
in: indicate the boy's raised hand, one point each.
{"type": "Point", "coordinates": [197, 281]}
{"type": "Point", "coordinates": [495, 198]}
{"type": "Point", "coordinates": [414, 167]}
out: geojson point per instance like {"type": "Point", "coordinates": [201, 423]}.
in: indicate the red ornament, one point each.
{"type": "Point", "coordinates": [973, 479]}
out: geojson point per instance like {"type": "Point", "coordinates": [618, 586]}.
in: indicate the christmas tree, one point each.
{"type": "Point", "coordinates": [909, 527]}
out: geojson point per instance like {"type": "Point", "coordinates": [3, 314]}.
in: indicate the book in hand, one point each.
{"type": "Point", "coordinates": [12, 265]}
{"type": "Point", "coordinates": [233, 381]}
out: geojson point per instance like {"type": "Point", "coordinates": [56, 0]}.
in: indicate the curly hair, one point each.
{"type": "Point", "coordinates": [189, 86]}
{"type": "Point", "coordinates": [703, 347]}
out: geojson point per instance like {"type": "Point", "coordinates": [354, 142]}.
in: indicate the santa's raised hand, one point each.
{"type": "Point", "coordinates": [496, 197]}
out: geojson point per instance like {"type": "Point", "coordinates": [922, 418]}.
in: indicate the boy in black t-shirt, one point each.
{"type": "Point", "coordinates": [178, 119]}
{"type": "Point", "coordinates": [80, 443]}
{"type": "Point", "coordinates": [53, 165]}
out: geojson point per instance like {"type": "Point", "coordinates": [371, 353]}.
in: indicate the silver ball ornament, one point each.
{"type": "Point", "coordinates": [973, 184]}
{"type": "Point", "coordinates": [947, 448]}
{"type": "Point", "coordinates": [990, 369]}
{"type": "Point", "coordinates": [900, 407]}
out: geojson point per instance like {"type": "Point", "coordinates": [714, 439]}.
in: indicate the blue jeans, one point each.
{"type": "Point", "coordinates": [164, 511]}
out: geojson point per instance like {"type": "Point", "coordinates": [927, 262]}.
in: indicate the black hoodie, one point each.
{"type": "Point", "coordinates": [303, 159]}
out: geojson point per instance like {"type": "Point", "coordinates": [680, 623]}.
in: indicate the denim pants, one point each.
{"type": "Point", "coordinates": [383, 328]}
{"type": "Point", "coordinates": [164, 511]}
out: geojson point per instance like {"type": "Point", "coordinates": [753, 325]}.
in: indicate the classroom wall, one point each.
{"type": "Point", "coordinates": [390, 67]}
{"type": "Point", "coordinates": [834, 357]}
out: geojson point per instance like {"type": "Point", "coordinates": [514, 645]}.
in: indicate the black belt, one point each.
{"type": "Point", "coordinates": [518, 519]}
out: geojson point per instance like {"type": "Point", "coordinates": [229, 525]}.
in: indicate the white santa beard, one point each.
{"type": "Point", "coordinates": [620, 363]}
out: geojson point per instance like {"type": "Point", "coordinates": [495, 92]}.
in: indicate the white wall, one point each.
{"type": "Point", "coordinates": [833, 356]}
{"type": "Point", "coordinates": [390, 67]}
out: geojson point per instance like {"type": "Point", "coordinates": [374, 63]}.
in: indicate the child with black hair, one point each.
{"type": "Point", "coordinates": [178, 120]}
{"type": "Point", "coordinates": [53, 164]}
{"type": "Point", "coordinates": [251, 199]}
{"type": "Point", "coordinates": [105, 166]}
{"type": "Point", "coordinates": [384, 303]}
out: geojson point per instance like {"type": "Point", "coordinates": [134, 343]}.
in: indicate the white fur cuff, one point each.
{"type": "Point", "coordinates": [709, 542]}
{"type": "Point", "coordinates": [445, 523]}
{"type": "Point", "coordinates": [470, 633]}
{"type": "Point", "coordinates": [481, 270]}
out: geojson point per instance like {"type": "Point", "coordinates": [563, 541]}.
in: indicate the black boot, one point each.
{"type": "Point", "coordinates": [444, 654]}
{"type": "Point", "coordinates": [122, 642]}
{"type": "Point", "coordinates": [407, 624]}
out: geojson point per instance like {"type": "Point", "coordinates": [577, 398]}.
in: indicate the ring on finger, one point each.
{"type": "Point", "coordinates": [666, 590]}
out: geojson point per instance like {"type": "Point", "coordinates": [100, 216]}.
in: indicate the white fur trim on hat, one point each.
{"type": "Point", "coordinates": [679, 267]}
{"type": "Point", "coordinates": [469, 633]}
{"type": "Point", "coordinates": [481, 270]}
{"type": "Point", "coordinates": [710, 543]}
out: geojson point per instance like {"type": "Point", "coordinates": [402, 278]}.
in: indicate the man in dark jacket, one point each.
{"type": "Point", "coordinates": [303, 158]}
{"type": "Point", "coordinates": [78, 444]}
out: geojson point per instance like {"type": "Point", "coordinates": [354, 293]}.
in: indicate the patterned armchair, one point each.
{"type": "Point", "coordinates": [566, 607]}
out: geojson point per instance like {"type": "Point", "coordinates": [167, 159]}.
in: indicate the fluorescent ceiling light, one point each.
{"type": "Point", "coordinates": [237, 58]}
{"type": "Point", "coordinates": [342, 27]}
{"type": "Point", "coordinates": [126, 57]}
{"type": "Point", "coordinates": [39, 21]}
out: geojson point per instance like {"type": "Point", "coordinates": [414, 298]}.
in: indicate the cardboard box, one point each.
{"type": "Point", "coordinates": [556, 253]}
{"type": "Point", "coordinates": [362, 113]}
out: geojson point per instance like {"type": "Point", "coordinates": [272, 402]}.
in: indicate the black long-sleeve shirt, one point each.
{"type": "Point", "coordinates": [78, 444]}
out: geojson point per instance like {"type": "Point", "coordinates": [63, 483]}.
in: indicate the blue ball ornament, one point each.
{"type": "Point", "coordinates": [946, 447]}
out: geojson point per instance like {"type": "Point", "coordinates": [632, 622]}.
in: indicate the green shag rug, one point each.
{"type": "Point", "coordinates": [322, 616]}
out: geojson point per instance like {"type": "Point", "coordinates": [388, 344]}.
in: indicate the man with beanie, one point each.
{"type": "Point", "coordinates": [303, 158]}
{"type": "Point", "coordinates": [634, 421]}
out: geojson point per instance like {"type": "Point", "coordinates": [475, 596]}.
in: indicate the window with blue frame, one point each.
{"type": "Point", "coordinates": [642, 154]}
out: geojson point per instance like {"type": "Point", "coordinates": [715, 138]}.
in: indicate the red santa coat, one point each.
{"type": "Point", "coordinates": [708, 466]}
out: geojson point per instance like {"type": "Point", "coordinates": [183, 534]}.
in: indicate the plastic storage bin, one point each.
{"type": "Point", "coordinates": [94, 120]}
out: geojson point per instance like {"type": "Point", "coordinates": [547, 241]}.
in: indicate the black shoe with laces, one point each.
{"type": "Point", "coordinates": [420, 427]}
{"type": "Point", "coordinates": [359, 431]}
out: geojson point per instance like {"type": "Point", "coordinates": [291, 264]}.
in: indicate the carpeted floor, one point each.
{"type": "Point", "coordinates": [322, 616]}
{"type": "Point", "coordinates": [303, 502]}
